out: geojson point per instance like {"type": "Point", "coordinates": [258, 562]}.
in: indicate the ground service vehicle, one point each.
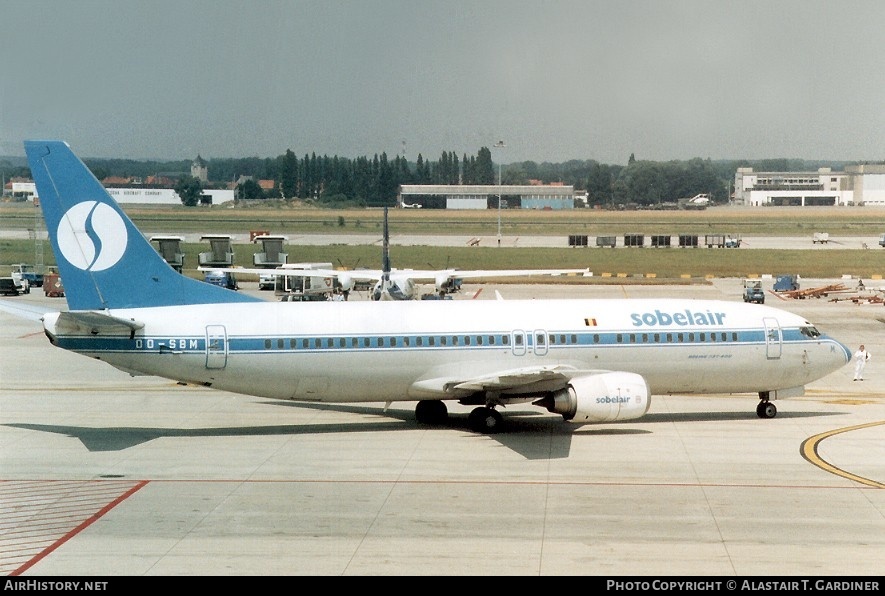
{"type": "Point", "coordinates": [753, 291]}
{"type": "Point", "coordinates": [28, 273]}
{"type": "Point", "coordinates": [224, 279]}
{"type": "Point", "coordinates": [9, 286]}
{"type": "Point", "coordinates": [754, 294]}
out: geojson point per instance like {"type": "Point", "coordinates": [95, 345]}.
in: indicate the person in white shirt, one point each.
{"type": "Point", "coordinates": [860, 361]}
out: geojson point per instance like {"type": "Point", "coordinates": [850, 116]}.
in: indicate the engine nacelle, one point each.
{"type": "Point", "coordinates": [345, 281]}
{"type": "Point", "coordinates": [447, 284]}
{"type": "Point", "coordinates": [398, 288]}
{"type": "Point", "coordinates": [604, 397]}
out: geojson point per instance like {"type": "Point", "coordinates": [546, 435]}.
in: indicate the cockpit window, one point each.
{"type": "Point", "coordinates": [809, 331]}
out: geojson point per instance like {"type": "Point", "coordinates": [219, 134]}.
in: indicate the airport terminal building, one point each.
{"type": "Point", "coordinates": [857, 185]}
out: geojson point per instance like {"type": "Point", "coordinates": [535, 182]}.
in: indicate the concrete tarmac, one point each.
{"type": "Point", "coordinates": [104, 474]}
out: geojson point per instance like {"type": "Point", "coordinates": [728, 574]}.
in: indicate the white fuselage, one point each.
{"type": "Point", "coordinates": [382, 351]}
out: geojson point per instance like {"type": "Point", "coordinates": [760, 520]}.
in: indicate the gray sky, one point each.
{"type": "Point", "coordinates": [554, 79]}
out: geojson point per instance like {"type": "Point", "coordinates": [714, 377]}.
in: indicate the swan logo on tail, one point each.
{"type": "Point", "coordinates": [92, 236]}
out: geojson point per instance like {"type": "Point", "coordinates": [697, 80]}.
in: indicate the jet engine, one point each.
{"type": "Point", "coordinates": [603, 397]}
{"type": "Point", "coordinates": [447, 283]}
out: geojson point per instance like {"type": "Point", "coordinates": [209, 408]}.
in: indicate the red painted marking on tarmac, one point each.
{"type": "Point", "coordinates": [38, 516]}
{"type": "Point", "coordinates": [34, 334]}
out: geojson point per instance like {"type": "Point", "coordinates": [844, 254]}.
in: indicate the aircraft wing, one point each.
{"type": "Point", "coordinates": [546, 377]}
{"type": "Point", "coordinates": [354, 274]}
{"type": "Point", "coordinates": [489, 273]}
{"type": "Point", "coordinates": [417, 275]}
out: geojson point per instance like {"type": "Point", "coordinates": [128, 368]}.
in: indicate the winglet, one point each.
{"type": "Point", "coordinates": [104, 260]}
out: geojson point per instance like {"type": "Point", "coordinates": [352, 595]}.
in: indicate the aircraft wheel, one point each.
{"type": "Point", "coordinates": [485, 420]}
{"type": "Point", "coordinates": [766, 409]}
{"type": "Point", "coordinates": [431, 411]}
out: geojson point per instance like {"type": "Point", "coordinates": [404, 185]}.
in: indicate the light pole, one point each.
{"type": "Point", "coordinates": [499, 145]}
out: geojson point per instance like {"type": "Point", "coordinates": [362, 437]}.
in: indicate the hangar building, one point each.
{"type": "Point", "coordinates": [485, 196]}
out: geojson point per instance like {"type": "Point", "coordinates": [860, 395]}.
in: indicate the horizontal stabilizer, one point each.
{"type": "Point", "coordinates": [23, 310]}
{"type": "Point", "coordinates": [96, 322]}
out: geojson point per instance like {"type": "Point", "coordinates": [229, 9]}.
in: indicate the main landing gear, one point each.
{"type": "Point", "coordinates": [431, 411]}
{"type": "Point", "coordinates": [484, 419]}
{"type": "Point", "coordinates": [765, 409]}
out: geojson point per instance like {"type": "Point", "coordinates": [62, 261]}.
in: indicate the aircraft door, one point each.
{"type": "Point", "coordinates": [216, 346]}
{"type": "Point", "coordinates": [773, 338]}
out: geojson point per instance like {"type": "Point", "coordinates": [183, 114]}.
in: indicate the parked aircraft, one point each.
{"type": "Point", "coordinates": [402, 284]}
{"type": "Point", "coordinates": [596, 360]}
{"type": "Point", "coordinates": [701, 201]}
{"type": "Point", "coordinates": [412, 205]}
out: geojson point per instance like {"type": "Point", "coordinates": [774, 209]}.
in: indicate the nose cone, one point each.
{"type": "Point", "coordinates": [841, 355]}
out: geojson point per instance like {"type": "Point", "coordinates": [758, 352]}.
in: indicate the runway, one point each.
{"type": "Point", "coordinates": [104, 474]}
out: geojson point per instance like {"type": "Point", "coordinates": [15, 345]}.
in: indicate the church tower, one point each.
{"type": "Point", "coordinates": [200, 170]}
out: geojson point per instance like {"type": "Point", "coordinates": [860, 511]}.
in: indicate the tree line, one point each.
{"type": "Point", "coordinates": [344, 182]}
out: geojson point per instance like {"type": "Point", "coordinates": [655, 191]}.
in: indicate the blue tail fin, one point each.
{"type": "Point", "coordinates": [103, 260]}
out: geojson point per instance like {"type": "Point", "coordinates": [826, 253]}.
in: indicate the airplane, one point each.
{"type": "Point", "coordinates": [411, 205]}
{"type": "Point", "coordinates": [586, 360]}
{"type": "Point", "coordinates": [399, 284]}
{"type": "Point", "coordinates": [700, 201]}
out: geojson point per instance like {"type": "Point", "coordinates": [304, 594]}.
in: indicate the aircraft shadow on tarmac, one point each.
{"type": "Point", "coordinates": [532, 435]}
